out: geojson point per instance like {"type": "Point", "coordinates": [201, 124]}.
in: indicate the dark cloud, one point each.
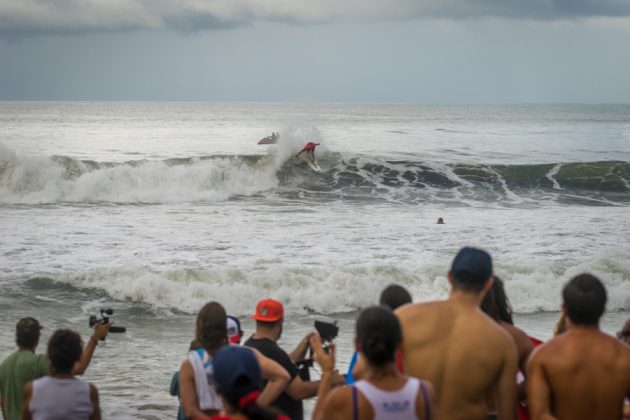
{"type": "Point", "coordinates": [33, 17]}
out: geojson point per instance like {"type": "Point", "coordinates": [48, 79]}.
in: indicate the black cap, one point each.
{"type": "Point", "coordinates": [476, 262]}
{"type": "Point", "coordinates": [27, 326]}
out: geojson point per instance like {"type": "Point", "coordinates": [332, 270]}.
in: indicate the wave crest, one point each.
{"type": "Point", "coordinates": [61, 179]}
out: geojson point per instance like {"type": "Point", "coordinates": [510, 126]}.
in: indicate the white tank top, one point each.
{"type": "Point", "coordinates": [207, 394]}
{"type": "Point", "coordinates": [60, 399]}
{"type": "Point", "coordinates": [390, 405]}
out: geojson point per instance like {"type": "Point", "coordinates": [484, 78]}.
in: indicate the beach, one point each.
{"type": "Point", "coordinates": [154, 208]}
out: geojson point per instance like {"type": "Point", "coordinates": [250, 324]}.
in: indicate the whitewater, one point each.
{"type": "Point", "coordinates": [154, 209]}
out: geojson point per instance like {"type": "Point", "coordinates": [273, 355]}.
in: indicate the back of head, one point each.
{"type": "Point", "coordinates": [471, 269]}
{"type": "Point", "coordinates": [64, 350]}
{"type": "Point", "coordinates": [212, 327]}
{"type": "Point", "coordinates": [496, 303]}
{"type": "Point", "coordinates": [269, 314]}
{"type": "Point", "coordinates": [584, 299]}
{"type": "Point", "coordinates": [394, 296]}
{"type": "Point", "coordinates": [27, 332]}
{"type": "Point", "coordinates": [238, 378]}
{"type": "Point", "coordinates": [234, 331]}
{"type": "Point", "coordinates": [379, 333]}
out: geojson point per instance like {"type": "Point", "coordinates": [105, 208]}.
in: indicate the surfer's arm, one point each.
{"type": "Point", "coordinates": [301, 151]}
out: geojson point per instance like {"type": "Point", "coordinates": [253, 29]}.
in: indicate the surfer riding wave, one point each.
{"type": "Point", "coordinates": [309, 148]}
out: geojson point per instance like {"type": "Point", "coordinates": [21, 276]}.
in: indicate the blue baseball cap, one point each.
{"type": "Point", "coordinates": [236, 371]}
{"type": "Point", "coordinates": [476, 262]}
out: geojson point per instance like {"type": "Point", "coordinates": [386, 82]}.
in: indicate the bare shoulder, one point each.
{"type": "Point", "coordinates": [623, 349]}
{"type": "Point", "coordinates": [337, 402]}
{"type": "Point", "coordinates": [549, 349]}
{"type": "Point", "coordinates": [412, 310]}
{"type": "Point", "coordinates": [494, 333]}
{"type": "Point", "coordinates": [516, 333]}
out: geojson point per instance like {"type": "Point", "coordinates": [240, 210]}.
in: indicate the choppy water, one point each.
{"type": "Point", "coordinates": [157, 208]}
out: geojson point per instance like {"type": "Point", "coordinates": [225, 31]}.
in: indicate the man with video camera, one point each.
{"type": "Point", "coordinates": [269, 318]}
{"type": "Point", "coordinates": [24, 365]}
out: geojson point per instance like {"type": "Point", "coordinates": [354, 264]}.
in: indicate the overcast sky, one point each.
{"type": "Point", "coordinates": [419, 51]}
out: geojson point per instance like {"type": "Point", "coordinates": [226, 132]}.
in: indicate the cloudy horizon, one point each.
{"type": "Point", "coordinates": [429, 51]}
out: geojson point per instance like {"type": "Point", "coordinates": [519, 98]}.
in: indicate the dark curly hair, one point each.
{"type": "Point", "coordinates": [64, 350]}
{"type": "Point", "coordinates": [379, 333]}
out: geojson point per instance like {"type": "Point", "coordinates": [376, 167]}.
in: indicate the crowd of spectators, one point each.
{"type": "Point", "coordinates": [458, 358]}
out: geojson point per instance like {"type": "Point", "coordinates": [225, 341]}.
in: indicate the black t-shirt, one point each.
{"type": "Point", "coordinates": [289, 406]}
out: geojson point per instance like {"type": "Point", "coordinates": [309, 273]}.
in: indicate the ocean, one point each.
{"type": "Point", "coordinates": [153, 209]}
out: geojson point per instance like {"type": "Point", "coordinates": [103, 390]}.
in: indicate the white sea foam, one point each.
{"type": "Point", "coordinates": [552, 173]}
{"type": "Point", "coordinates": [531, 287]}
{"type": "Point", "coordinates": [27, 179]}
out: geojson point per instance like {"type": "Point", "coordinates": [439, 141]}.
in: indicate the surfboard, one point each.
{"type": "Point", "coordinates": [314, 165]}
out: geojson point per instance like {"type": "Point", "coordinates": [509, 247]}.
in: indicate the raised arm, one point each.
{"type": "Point", "coordinates": [277, 377]}
{"type": "Point", "coordinates": [100, 331]}
{"type": "Point", "coordinates": [327, 362]}
{"type": "Point", "coordinates": [299, 353]}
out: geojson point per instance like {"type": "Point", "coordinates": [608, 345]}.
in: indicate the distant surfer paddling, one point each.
{"type": "Point", "coordinates": [309, 148]}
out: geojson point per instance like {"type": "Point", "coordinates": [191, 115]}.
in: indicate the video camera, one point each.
{"type": "Point", "coordinates": [105, 313]}
{"type": "Point", "coordinates": [327, 329]}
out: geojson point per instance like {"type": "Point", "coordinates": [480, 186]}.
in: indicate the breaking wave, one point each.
{"type": "Point", "coordinates": [531, 286]}
{"type": "Point", "coordinates": [61, 179]}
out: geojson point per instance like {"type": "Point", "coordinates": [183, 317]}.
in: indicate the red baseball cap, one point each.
{"type": "Point", "coordinates": [268, 310]}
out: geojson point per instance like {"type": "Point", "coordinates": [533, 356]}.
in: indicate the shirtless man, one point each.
{"type": "Point", "coordinates": [583, 373]}
{"type": "Point", "coordinates": [461, 351]}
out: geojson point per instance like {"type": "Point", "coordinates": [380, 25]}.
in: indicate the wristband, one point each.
{"type": "Point", "coordinates": [95, 341]}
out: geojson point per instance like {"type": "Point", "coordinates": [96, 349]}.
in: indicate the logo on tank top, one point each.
{"type": "Point", "coordinates": [396, 406]}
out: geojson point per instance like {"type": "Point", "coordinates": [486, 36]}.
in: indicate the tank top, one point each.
{"type": "Point", "coordinates": [59, 399]}
{"type": "Point", "coordinates": [207, 395]}
{"type": "Point", "coordinates": [399, 405]}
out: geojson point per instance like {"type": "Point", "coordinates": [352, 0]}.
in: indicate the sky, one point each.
{"type": "Point", "coordinates": [378, 51]}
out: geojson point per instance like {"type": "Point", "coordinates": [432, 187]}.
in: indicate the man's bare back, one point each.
{"type": "Point", "coordinates": [582, 374]}
{"type": "Point", "coordinates": [464, 353]}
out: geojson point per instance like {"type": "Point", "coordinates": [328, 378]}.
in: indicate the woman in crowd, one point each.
{"type": "Point", "coordinates": [384, 393]}
{"type": "Point", "coordinates": [60, 395]}
{"type": "Point", "coordinates": [197, 391]}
